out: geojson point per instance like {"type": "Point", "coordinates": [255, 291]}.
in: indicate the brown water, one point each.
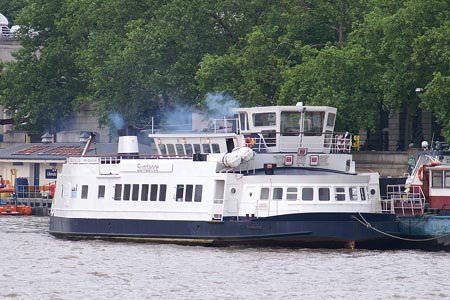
{"type": "Point", "coordinates": [35, 265]}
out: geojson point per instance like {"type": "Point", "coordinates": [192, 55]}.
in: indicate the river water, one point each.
{"type": "Point", "coordinates": [35, 265]}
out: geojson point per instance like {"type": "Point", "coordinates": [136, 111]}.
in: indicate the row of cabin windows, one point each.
{"type": "Point", "coordinates": [149, 192]}
{"type": "Point", "coordinates": [188, 149]}
{"type": "Point", "coordinates": [440, 179]}
{"type": "Point", "coordinates": [307, 193]}
{"type": "Point", "coordinates": [144, 192]}
{"type": "Point", "coordinates": [189, 193]}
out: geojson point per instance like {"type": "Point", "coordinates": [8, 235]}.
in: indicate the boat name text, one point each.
{"type": "Point", "coordinates": [147, 168]}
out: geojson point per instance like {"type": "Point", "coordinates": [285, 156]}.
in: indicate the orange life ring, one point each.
{"type": "Point", "coordinates": [420, 173]}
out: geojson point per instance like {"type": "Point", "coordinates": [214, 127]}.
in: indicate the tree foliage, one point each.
{"type": "Point", "coordinates": [139, 58]}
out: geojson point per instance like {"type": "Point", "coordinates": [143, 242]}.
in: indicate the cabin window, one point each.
{"type": "Point", "coordinates": [179, 193]}
{"type": "Point", "coordinates": [188, 148]}
{"type": "Point", "coordinates": [436, 179]}
{"type": "Point", "coordinates": [339, 194]}
{"type": "Point", "coordinates": [171, 149]}
{"type": "Point", "coordinates": [307, 194]}
{"type": "Point", "coordinates": [243, 120]}
{"type": "Point", "coordinates": [206, 148]}
{"type": "Point", "coordinates": [180, 149]}
{"type": "Point", "coordinates": [447, 179]}
{"type": "Point", "coordinates": [163, 149]}
{"type": "Point", "coordinates": [362, 192]}
{"type": "Point", "coordinates": [291, 193]}
{"type": "Point", "coordinates": [277, 194]}
{"type": "Point", "coordinates": [153, 192]}
{"type": "Point", "coordinates": [197, 148]}
{"type": "Point", "coordinates": [324, 194]}
{"type": "Point", "coordinates": [353, 193]}
{"type": "Point", "coordinates": [101, 191]}
{"type": "Point", "coordinates": [264, 119]}
{"type": "Point", "coordinates": [198, 193]}
{"type": "Point", "coordinates": [215, 148]}
{"type": "Point", "coordinates": [126, 191]}
{"type": "Point", "coordinates": [189, 193]}
{"type": "Point", "coordinates": [264, 194]}
{"type": "Point", "coordinates": [117, 192]}
{"type": "Point", "coordinates": [331, 119]}
{"type": "Point", "coordinates": [135, 193]}
{"type": "Point", "coordinates": [313, 123]}
{"type": "Point", "coordinates": [144, 192]}
{"type": "Point", "coordinates": [162, 192]}
{"type": "Point", "coordinates": [290, 123]}
{"type": "Point", "coordinates": [84, 192]}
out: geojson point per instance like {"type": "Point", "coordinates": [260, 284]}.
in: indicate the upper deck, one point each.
{"type": "Point", "coordinates": [268, 129]}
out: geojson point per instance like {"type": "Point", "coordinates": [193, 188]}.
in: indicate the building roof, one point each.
{"type": "Point", "coordinates": [60, 151]}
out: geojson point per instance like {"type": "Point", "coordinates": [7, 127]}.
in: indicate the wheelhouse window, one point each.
{"type": "Point", "coordinates": [331, 119]}
{"type": "Point", "coordinates": [447, 179]}
{"type": "Point", "coordinates": [313, 123]}
{"type": "Point", "coordinates": [101, 192]}
{"type": "Point", "coordinates": [324, 194]}
{"type": "Point", "coordinates": [243, 120]}
{"type": "Point", "coordinates": [84, 192]}
{"type": "Point", "coordinates": [290, 123]}
{"type": "Point", "coordinates": [197, 148]}
{"type": "Point", "coordinates": [307, 194]}
{"type": "Point", "coordinates": [339, 193]}
{"type": "Point", "coordinates": [436, 179]}
{"type": "Point", "coordinates": [206, 148]}
{"type": "Point", "coordinates": [215, 148]}
{"type": "Point", "coordinates": [264, 119]}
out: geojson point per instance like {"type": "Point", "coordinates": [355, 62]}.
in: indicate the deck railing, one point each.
{"type": "Point", "coordinates": [401, 200]}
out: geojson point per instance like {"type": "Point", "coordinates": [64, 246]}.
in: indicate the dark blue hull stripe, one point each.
{"type": "Point", "coordinates": [289, 229]}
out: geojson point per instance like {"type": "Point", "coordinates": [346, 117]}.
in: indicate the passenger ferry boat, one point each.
{"type": "Point", "coordinates": [274, 175]}
{"type": "Point", "coordinates": [422, 204]}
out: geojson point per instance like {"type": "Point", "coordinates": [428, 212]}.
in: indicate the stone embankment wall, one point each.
{"type": "Point", "coordinates": [387, 163]}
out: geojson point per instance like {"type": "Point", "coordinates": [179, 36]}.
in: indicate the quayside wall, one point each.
{"type": "Point", "coordinates": [387, 163]}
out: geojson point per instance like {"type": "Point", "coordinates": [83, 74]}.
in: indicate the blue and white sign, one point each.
{"type": "Point", "coordinates": [50, 173]}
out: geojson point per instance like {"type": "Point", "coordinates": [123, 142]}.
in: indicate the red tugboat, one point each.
{"type": "Point", "coordinates": [423, 203]}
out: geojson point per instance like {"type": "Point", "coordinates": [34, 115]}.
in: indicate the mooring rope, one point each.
{"type": "Point", "coordinates": [368, 225]}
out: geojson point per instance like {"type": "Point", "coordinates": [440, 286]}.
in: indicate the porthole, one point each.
{"type": "Point", "coordinates": [372, 192]}
{"type": "Point", "coordinates": [233, 190]}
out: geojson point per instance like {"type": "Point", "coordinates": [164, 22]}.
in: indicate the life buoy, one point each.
{"type": "Point", "coordinates": [420, 173]}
